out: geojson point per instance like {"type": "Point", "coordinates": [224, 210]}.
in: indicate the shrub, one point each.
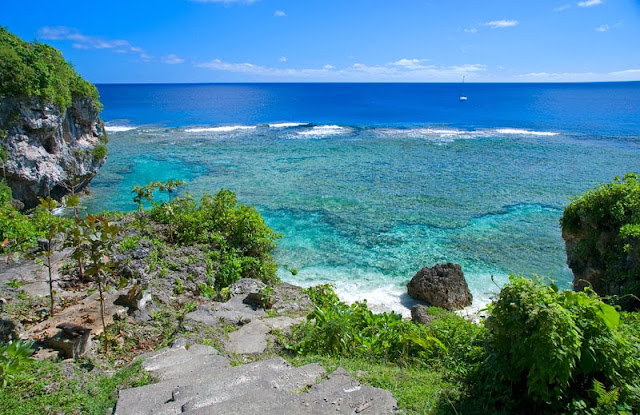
{"type": "Point", "coordinates": [240, 241]}
{"type": "Point", "coordinates": [14, 359]}
{"type": "Point", "coordinates": [555, 350]}
{"type": "Point", "coordinates": [19, 232]}
{"type": "Point", "coordinates": [99, 152]}
{"type": "Point", "coordinates": [337, 329]}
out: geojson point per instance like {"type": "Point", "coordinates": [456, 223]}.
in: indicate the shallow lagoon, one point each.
{"type": "Point", "coordinates": [364, 201]}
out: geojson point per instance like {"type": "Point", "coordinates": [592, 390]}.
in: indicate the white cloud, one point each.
{"type": "Point", "coordinates": [282, 59]}
{"type": "Point", "coordinates": [410, 63]}
{"type": "Point", "coordinates": [172, 59]}
{"type": "Point", "coordinates": [226, 1]}
{"type": "Point", "coordinates": [279, 13]}
{"type": "Point", "coordinates": [400, 70]}
{"type": "Point", "coordinates": [471, 30]}
{"type": "Point", "coordinates": [81, 41]}
{"type": "Point", "coordinates": [497, 24]}
{"type": "Point", "coordinates": [589, 3]}
{"type": "Point", "coordinates": [624, 75]}
{"type": "Point", "coordinates": [635, 73]}
{"type": "Point", "coordinates": [562, 8]}
{"type": "Point", "coordinates": [603, 28]}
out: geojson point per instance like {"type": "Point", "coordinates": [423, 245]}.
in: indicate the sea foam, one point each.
{"type": "Point", "coordinates": [520, 131]}
{"type": "Point", "coordinates": [221, 129]}
{"type": "Point", "coordinates": [118, 128]}
{"type": "Point", "coordinates": [324, 131]}
{"type": "Point", "coordinates": [436, 135]}
{"type": "Point", "coordinates": [287, 124]}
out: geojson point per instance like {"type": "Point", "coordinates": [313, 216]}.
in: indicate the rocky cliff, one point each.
{"type": "Point", "coordinates": [599, 259]}
{"type": "Point", "coordinates": [50, 150]}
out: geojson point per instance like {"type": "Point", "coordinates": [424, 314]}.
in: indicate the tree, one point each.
{"type": "Point", "coordinates": [98, 237]}
{"type": "Point", "coordinates": [170, 186]}
{"type": "Point", "coordinates": [52, 229]}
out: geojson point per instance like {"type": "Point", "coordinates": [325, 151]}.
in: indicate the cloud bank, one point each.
{"type": "Point", "coordinates": [81, 41]}
{"type": "Point", "coordinates": [416, 70]}
{"type": "Point", "coordinates": [589, 3]}
{"type": "Point", "coordinates": [499, 24]}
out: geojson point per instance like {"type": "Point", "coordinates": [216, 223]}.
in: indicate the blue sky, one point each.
{"type": "Point", "coordinates": [337, 40]}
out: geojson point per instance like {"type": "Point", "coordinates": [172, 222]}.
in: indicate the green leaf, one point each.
{"type": "Point", "coordinates": [610, 315]}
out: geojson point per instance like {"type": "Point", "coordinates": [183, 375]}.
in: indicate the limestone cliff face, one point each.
{"type": "Point", "coordinates": [50, 149]}
{"type": "Point", "coordinates": [591, 255]}
{"type": "Point", "coordinates": [586, 248]}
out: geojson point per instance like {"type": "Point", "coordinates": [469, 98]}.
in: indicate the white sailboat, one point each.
{"type": "Point", "coordinates": [462, 96]}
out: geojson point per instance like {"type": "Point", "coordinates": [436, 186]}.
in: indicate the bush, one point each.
{"type": "Point", "coordinates": [353, 331]}
{"type": "Point", "coordinates": [14, 359]}
{"type": "Point", "coordinates": [606, 221]}
{"type": "Point", "coordinates": [240, 241]}
{"type": "Point", "coordinates": [558, 351]}
{"type": "Point", "coordinates": [36, 70]}
{"type": "Point", "coordinates": [99, 152]}
{"type": "Point", "coordinates": [20, 232]}
{"type": "Point", "coordinates": [17, 231]}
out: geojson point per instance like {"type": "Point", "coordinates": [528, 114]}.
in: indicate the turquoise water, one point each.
{"type": "Point", "coordinates": [365, 207]}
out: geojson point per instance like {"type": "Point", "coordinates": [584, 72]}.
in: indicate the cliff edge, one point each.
{"type": "Point", "coordinates": [601, 230]}
{"type": "Point", "coordinates": [52, 140]}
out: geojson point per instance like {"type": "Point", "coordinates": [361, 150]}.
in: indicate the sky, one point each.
{"type": "Point", "coordinates": [175, 41]}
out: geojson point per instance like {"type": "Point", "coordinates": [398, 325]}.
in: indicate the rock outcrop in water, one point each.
{"type": "Point", "coordinates": [50, 150]}
{"type": "Point", "coordinates": [443, 285]}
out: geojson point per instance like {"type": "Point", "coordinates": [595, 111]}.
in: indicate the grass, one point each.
{"type": "Point", "coordinates": [418, 390]}
{"type": "Point", "coordinates": [53, 388]}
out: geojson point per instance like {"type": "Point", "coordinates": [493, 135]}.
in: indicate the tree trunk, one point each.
{"type": "Point", "coordinates": [104, 326]}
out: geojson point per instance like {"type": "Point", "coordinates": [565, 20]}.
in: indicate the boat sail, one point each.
{"type": "Point", "coordinates": [462, 96]}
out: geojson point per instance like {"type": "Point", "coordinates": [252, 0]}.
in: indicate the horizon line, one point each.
{"type": "Point", "coordinates": [363, 82]}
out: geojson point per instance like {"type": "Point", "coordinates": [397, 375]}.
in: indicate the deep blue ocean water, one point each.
{"type": "Point", "coordinates": [370, 182]}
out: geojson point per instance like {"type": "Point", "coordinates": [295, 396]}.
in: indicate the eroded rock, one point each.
{"type": "Point", "coordinates": [50, 149]}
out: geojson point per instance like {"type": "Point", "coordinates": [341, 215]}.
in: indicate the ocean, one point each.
{"type": "Point", "coordinates": [368, 183]}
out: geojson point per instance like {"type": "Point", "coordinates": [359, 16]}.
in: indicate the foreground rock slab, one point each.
{"type": "Point", "coordinates": [197, 380]}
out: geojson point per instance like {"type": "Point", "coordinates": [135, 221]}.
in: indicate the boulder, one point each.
{"type": "Point", "coordinates": [420, 315]}
{"type": "Point", "coordinates": [134, 299]}
{"type": "Point", "coordinates": [8, 330]}
{"type": "Point", "coordinates": [443, 286]}
{"type": "Point", "coordinates": [245, 286]}
{"type": "Point", "coordinates": [50, 149]}
{"type": "Point", "coordinates": [73, 340]}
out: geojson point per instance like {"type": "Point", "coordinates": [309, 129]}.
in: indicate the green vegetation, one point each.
{"type": "Point", "coordinates": [539, 350]}
{"type": "Point", "coordinates": [608, 220]}
{"type": "Point", "coordinates": [99, 152]}
{"type": "Point", "coordinates": [239, 241]}
{"type": "Point", "coordinates": [36, 70]}
{"type": "Point", "coordinates": [353, 331]}
{"type": "Point", "coordinates": [418, 389]}
{"type": "Point", "coordinates": [558, 351]}
{"type": "Point", "coordinates": [99, 235]}
{"type": "Point", "coordinates": [4, 155]}
{"type": "Point", "coordinates": [48, 387]}
{"type": "Point", "coordinates": [14, 360]}
{"type": "Point", "coordinates": [52, 229]}
{"type": "Point", "coordinates": [20, 232]}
